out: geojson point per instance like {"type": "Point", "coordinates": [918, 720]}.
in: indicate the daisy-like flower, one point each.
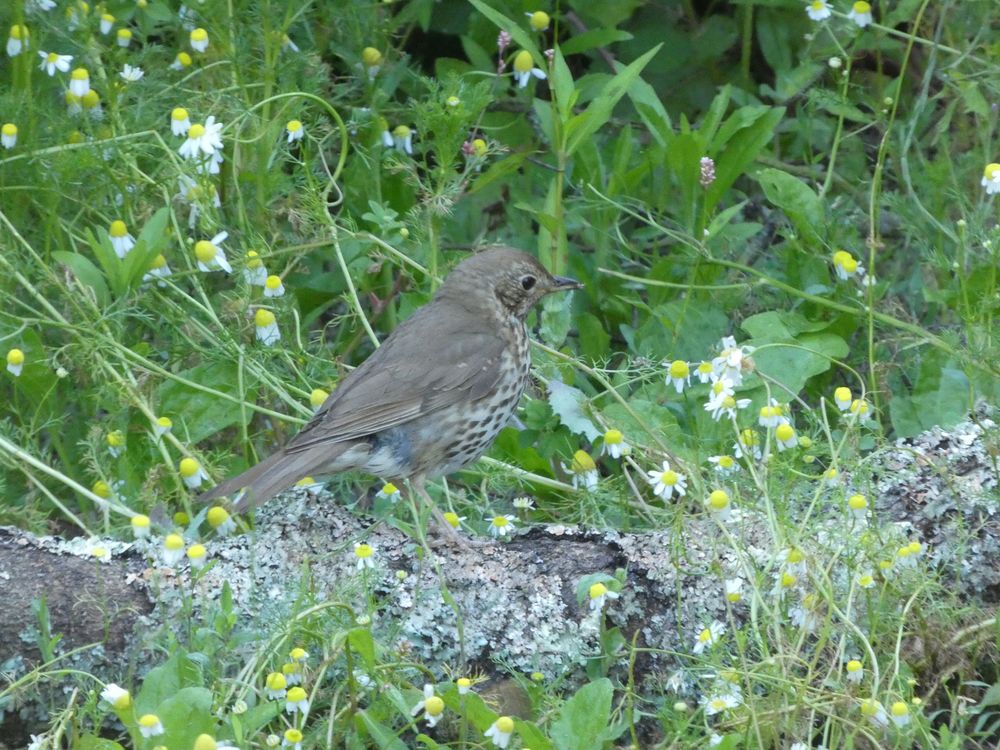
{"type": "Point", "coordinates": [210, 255]}
{"type": "Point", "coordinates": [91, 102]}
{"type": "Point", "coordinates": [855, 672]}
{"type": "Point", "coordinates": [162, 426]}
{"type": "Point", "coordinates": [39, 6]}
{"type": "Point", "coordinates": [140, 526]}
{"type": "Point", "coordinates": [716, 704]}
{"type": "Point", "coordinates": [158, 269]}
{"type": "Point", "coordinates": [500, 731]}
{"type": "Point", "coordinates": [292, 672]}
{"type": "Point", "coordinates": [666, 482]}
{"type": "Point", "coordinates": [173, 549]}
{"type": "Point", "coordinates": [452, 101]}
{"type": "Point", "coordinates": [539, 20]}
{"type": "Point", "coordinates": [431, 705]}
{"type": "Point", "coordinates": [318, 397]}
{"type": "Point", "coordinates": [15, 362]}
{"type": "Point", "coordinates": [267, 327]}
{"type": "Point", "coordinates": [584, 471]}
{"type": "Point", "coordinates": [150, 725]}
{"type": "Point", "coordinates": [79, 82]}
{"type": "Point", "coordinates": [365, 555]}
{"type": "Point", "coordinates": [724, 404]}
{"type": "Point", "coordinates": [276, 686]}
{"type": "Point", "coordinates": [273, 287]}
{"type": "Point", "coordinates": [501, 525]}
{"type": "Point", "coordinates": [523, 504]}
{"type": "Point", "coordinates": [859, 410]}
{"type": "Point", "coordinates": [131, 73]}
{"type": "Point", "coordinates": [192, 473]}
{"type": "Point", "coordinates": [116, 443]}
{"type": "Point", "coordinates": [464, 685]}
{"type": "Point", "coordinates": [747, 444]}
{"type": "Point", "coordinates": [121, 240]}
{"type": "Point", "coordinates": [180, 121]}
{"type": "Point", "coordinates": [371, 58]}
{"type": "Point", "coordinates": [794, 561]}
{"type": "Point", "coordinates": [297, 700]}
{"type": "Point", "coordinates": [524, 69]}
{"type": "Point", "coordinates": [991, 179]}
{"type": "Point", "coordinates": [220, 520]}
{"type": "Point", "coordinates": [208, 742]}
{"type": "Point", "coordinates": [818, 10]}
{"type": "Point", "coordinates": [724, 465]}
{"type": "Point", "coordinates": [861, 13]}
{"type": "Point", "coordinates": [254, 272]}
{"type": "Point", "coordinates": [704, 372]}
{"type": "Point", "coordinates": [614, 444]}
{"type": "Point", "coordinates": [52, 61]}
{"type": "Point", "coordinates": [785, 437]}
{"type": "Point", "coordinates": [865, 580]}
{"type": "Point", "coordinates": [287, 44]}
{"type": "Point", "coordinates": [772, 415]}
{"type": "Point", "coordinates": [298, 654]}
{"type": "Point", "coordinates": [733, 590]}
{"type": "Point", "coordinates": [906, 556]}
{"type": "Point", "coordinates": [107, 23]}
{"type": "Point", "coordinates": [199, 40]}
{"type": "Point", "coordinates": [292, 738]}
{"type": "Point", "coordinates": [124, 38]}
{"type": "Point", "coordinates": [386, 134]}
{"type": "Point", "coordinates": [599, 595]}
{"type": "Point", "coordinates": [102, 489]}
{"type": "Point", "coordinates": [453, 519]}
{"type": "Point", "coordinates": [402, 139]}
{"type": "Point", "coordinates": [74, 106]}
{"type": "Point", "coordinates": [708, 636]}
{"type": "Point", "coordinates": [678, 374]}
{"type": "Point", "coordinates": [204, 144]}
{"type": "Point", "coordinates": [310, 484]}
{"type": "Point", "coordinates": [900, 714]}
{"type": "Point", "coordinates": [846, 265]}
{"type": "Point", "coordinates": [857, 505]}
{"type": "Point", "coordinates": [295, 130]}
{"type": "Point", "coordinates": [118, 697]}
{"type": "Point", "coordinates": [719, 505]}
{"type": "Point", "coordinates": [732, 360]}
{"type": "Point", "coordinates": [182, 61]}
{"type": "Point", "coordinates": [17, 41]}
{"type": "Point", "coordinates": [842, 397]}
{"type": "Point", "coordinates": [874, 711]}
{"type": "Point", "coordinates": [96, 550]}
{"type": "Point", "coordinates": [389, 492]}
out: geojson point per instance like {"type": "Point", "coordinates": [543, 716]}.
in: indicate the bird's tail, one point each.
{"type": "Point", "coordinates": [265, 480]}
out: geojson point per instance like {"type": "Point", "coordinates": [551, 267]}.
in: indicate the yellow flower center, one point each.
{"type": "Point", "coordinates": [479, 147]}
{"type": "Point", "coordinates": [371, 57]}
{"type": "Point", "coordinates": [180, 114]}
{"type": "Point", "coordinates": [434, 706]}
{"type": "Point", "coordinates": [523, 62]}
{"type": "Point", "coordinates": [853, 665]}
{"type": "Point", "coordinates": [669, 477]}
{"type": "Point", "coordinates": [263, 318]}
{"type": "Point", "coordinates": [296, 694]}
{"type": "Point", "coordinates": [196, 131]}
{"type": "Point", "coordinates": [857, 502]}
{"type": "Point", "coordinates": [318, 397]}
{"type": "Point", "coordinates": [273, 282]}
{"type": "Point", "coordinates": [992, 171]}
{"type": "Point", "coordinates": [718, 500]}
{"type": "Point", "coordinates": [52, 57]}
{"type": "Point", "coordinates": [216, 516]}
{"type": "Point", "coordinates": [174, 542]}
{"type": "Point", "coordinates": [199, 35]}
{"type": "Point", "coordinates": [80, 74]}
{"type": "Point", "coordinates": [196, 551]}
{"type": "Point", "coordinates": [679, 369]}
{"type": "Point", "coordinates": [294, 126]}
{"type": "Point", "coordinates": [15, 357]}
{"type": "Point", "coordinates": [862, 7]}
{"type": "Point", "coordinates": [159, 262]}
{"type": "Point", "coordinates": [293, 736]}
{"type": "Point", "coordinates": [118, 229]}
{"type": "Point", "coordinates": [204, 250]}
{"type": "Point", "coordinates": [188, 467]}
{"type": "Point", "coordinates": [787, 580]}
{"type": "Point", "coordinates": [101, 489]}
{"type": "Point", "coordinates": [784, 432]}
{"type": "Point", "coordinates": [613, 437]}
{"type": "Point", "coordinates": [364, 551]}
{"type": "Point", "coordinates": [505, 724]}
{"type": "Point", "coordinates": [598, 590]}
{"type": "Point", "coordinates": [726, 462]}
{"type": "Point", "coordinates": [453, 520]}
{"type": "Point", "coordinates": [500, 521]}
{"type": "Point", "coordinates": [900, 709]}
{"type": "Point", "coordinates": [582, 463]}
{"type": "Point", "coordinates": [140, 521]}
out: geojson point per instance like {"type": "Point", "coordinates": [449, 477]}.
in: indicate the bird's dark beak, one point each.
{"type": "Point", "coordinates": [564, 283]}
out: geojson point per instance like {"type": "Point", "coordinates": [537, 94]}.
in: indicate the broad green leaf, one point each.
{"type": "Point", "coordinates": [944, 404]}
{"type": "Point", "coordinates": [790, 364]}
{"type": "Point", "coordinates": [198, 414]}
{"type": "Point", "coordinates": [739, 153]}
{"type": "Point", "coordinates": [567, 403]}
{"type": "Point", "coordinates": [647, 103]}
{"type": "Point", "coordinates": [797, 200]}
{"type": "Point", "coordinates": [584, 719]}
{"type": "Point", "coordinates": [779, 324]}
{"type": "Point", "coordinates": [166, 680]}
{"type": "Point", "coordinates": [584, 125]}
{"type": "Point", "coordinates": [384, 737]}
{"type": "Point", "coordinates": [562, 85]}
{"type": "Point", "coordinates": [593, 38]}
{"type": "Point", "coordinates": [148, 245]}
{"type": "Point", "coordinates": [185, 715]}
{"type": "Point", "coordinates": [713, 118]}
{"type": "Point", "coordinates": [595, 342]}
{"type": "Point", "coordinates": [556, 319]}
{"type": "Point", "coordinates": [86, 273]}
{"type": "Point", "coordinates": [361, 641]}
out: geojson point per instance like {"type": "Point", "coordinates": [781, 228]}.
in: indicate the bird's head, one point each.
{"type": "Point", "coordinates": [510, 277]}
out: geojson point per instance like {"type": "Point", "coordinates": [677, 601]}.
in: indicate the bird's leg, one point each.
{"type": "Point", "coordinates": [442, 529]}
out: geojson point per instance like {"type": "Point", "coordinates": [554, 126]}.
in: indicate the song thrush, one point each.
{"type": "Point", "coordinates": [432, 398]}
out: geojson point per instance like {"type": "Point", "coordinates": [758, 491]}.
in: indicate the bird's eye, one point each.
{"type": "Point", "coordinates": [528, 282]}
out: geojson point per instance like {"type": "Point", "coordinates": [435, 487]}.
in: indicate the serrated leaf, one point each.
{"type": "Point", "coordinates": [567, 403]}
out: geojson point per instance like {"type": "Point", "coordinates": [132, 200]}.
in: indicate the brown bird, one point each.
{"type": "Point", "coordinates": [433, 397]}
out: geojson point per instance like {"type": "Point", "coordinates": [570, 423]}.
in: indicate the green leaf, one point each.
{"type": "Point", "coordinates": [580, 128]}
{"type": "Point", "coordinates": [647, 103]}
{"type": "Point", "coordinates": [583, 720]}
{"type": "Point", "coordinates": [522, 38]}
{"type": "Point", "coordinates": [86, 273]}
{"type": "Point", "coordinates": [361, 641]}
{"type": "Point", "coordinates": [797, 200]}
{"type": "Point", "coordinates": [166, 680]}
{"type": "Point", "coordinates": [384, 737]}
{"type": "Point", "coordinates": [185, 715]}
{"type": "Point", "coordinates": [739, 153]}
{"type": "Point", "coordinates": [567, 403]}
{"type": "Point", "coordinates": [562, 85]}
{"type": "Point", "coordinates": [943, 401]}
{"type": "Point", "coordinates": [198, 414]}
{"type": "Point", "coordinates": [595, 343]}
{"type": "Point", "coordinates": [792, 363]}
{"type": "Point", "coordinates": [593, 38]}
{"type": "Point", "coordinates": [556, 319]}
{"type": "Point", "coordinates": [148, 245]}
{"type": "Point", "coordinates": [90, 742]}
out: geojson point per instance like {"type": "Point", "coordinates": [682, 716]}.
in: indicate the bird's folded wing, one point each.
{"type": "Point", "coordinates": [400, 382]}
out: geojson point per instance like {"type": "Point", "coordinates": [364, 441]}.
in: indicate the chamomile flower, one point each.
{"type": "Point", "coordinates": [17, 41]}
{"type": "Point", "coordinates": [204, 145]}
{"type": "Point", "coordinates": [708, 636]}
{"type": "Point", "coordinates": [865, 580]}
{"type": "Point", "coordinates": [722, 402]}
{"type": "Point", "coordinates": [39, 6]}
{"type": "Point", "coordinates": [220, 520]}
{"type": "Point", "coordinates": [15, 362]}
{"type": "Point", "coordinates": [91, 102]}
{"type": "Point", "coordinates": [292, 672]}
{"type": "Point", "coordinates": [453, 519]}
{"type": "Point", "coordinates": [173, 549]}
{"type": "Point", "coordinates": [842, 398]}
{"type": "Point", "coordinates": [900, 714]}
{"type": "Point", "coordinates": [666, 482]}
{"type": "Point", "coordinates": [371, 58]}
{"type": "Point", "coordinates": [123, 37]}
{"type": "Point", "coordinates": [771, 415]}
{"type": "Point", "coordinates": [614, 444]}
{"type": "Point", "coordinates": [874, 711]}
{"type": "Point", "coordinates": [719, 505]}
{"type": "Point", "coordinates": [857, 506]}
{"type": "Point", "coordinates": [385, 133]}
{"type": "Point", "coordinates": [785, 437]}
{"type": "Point", "coordinates": [210, 255]}
{"type": "Point", "coordinates": [267, 327]}
{"type": "Point", "coordinates": [500, 731]}
{"type": "Point", "coordinates": [53, 61]}
{"type": "Point", "coordinates": [583, 470]}
{"type": "Point", "coordinates": [181, 61]}
{"type": "Point", "coordinates": [107, 23]}
{"type": "Point", "coordinates": [79, 82]}
{"type": "Point", "coordinates": [389, 492]}
{"type": "Point", "coordinates": [292, 739]}
{"type": "Point", "coordinates": [431, 705]}
{"type": "Point", "coordinates": [724, 465]}
{"type": "Point", "coordinates": [199, 40]}
{"type": "Point", "coordinates": [464, 685]}
{"type": "Point", "coordinates": [452, 101]}
{"type": "Point", "coordinates": [273, 287]}
{"type": "Point", "coordinates": [818, 10]}
{"type": "Point", "coordinates": [276, 686]}
{"type": "Point", "coordinates": [365, 555]}
{"type": "Point", "coordinates": [747, 444]}
{"type": "Point", "coordinates": [678, 374]}
{"type": "Point", "coordinates": [131, 73]}
{"type": "Point", "coordinates": [118, 697]}
{"type": "Point", "coordinates": [298, 654]}
{"type": "Point", "coordinates": [162, 425]}
{"type": "Point", "coordinates": [295, 130]}
{"type": "Point", "coordinates": [402, 139]}
{"type": "Point", "coordinates": [861, 13]}
{"type": "Point", "coordinates": [318, 397]}
{"type": "Point", "coordinates": [991, 179]}
{"type": "Point", "coordinates": [859, 411]}
{"type": "Point", "coordinates": [524, 69]}
{"type": "Point", "coordinates": [715, 704]}
{"type": "Point", "coordinates": [539, 20]}
{"type": "Point", "coordinates": [599, 595]}
{"type": "Point", "coordinates": [704, 372]}
{"type": "Point", "coordinates": [733, 590]}
{"type": "Point", "coordinates": [732, 361]}
{"type": "Point", "coordinates": [8, 135]}
{"type": "Point", "coordinates": [523, 504]}
{"type": "Point", "coordinates": [846, 265]}
{"type": "Point", "coordinates": [158, 269]}
{"type": "Point", "coordinates": [121, 240]}
{"type": "Point", "coordinates": [501, 525]}
{"type": "Point", "coordinates": [140, 526]}
{"type": "Point", "coordinates": [197, 556]}
{"type": "Point", "coordinates": [254, 272]}
{"type": "Point", "coordinates": [192, 473]}
{"type": "Point", "coordinates": [116, 443]}
{"type": "Point", "coordinates": [854, 671]}
{"type": "Point", "coordinates": [309, 484]}
{"type": "Point", "coordinates": [288, 45]}
{"type": "Point", "coordinates": [297, 700]}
